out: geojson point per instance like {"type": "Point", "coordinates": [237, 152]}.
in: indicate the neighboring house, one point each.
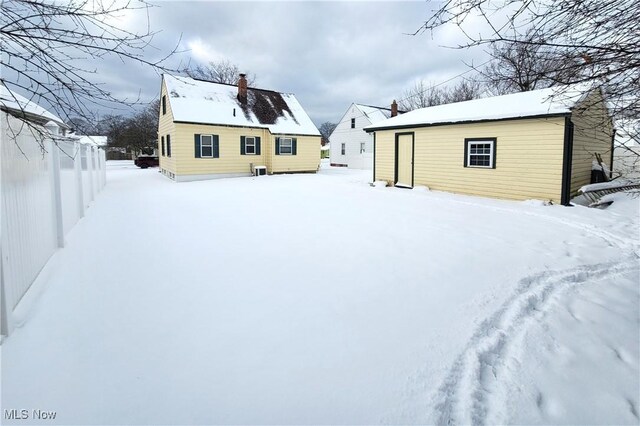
{"type": "Point", "coordinates": [531, 145]}
{"type": "Point", "coordinates": [351, 146]}
{"type": "Point", "coordinates": [210, 130]}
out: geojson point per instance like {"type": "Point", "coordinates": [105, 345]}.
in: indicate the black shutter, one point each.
{"type": "Point", "coordinates": [162, 139]}
{"type": "Point", "coordinates": [258, 145]}
{"type": "Point", "coordinates": [294, 143]}
{"type": "Point", "coordinates": [495, 142]}
{"type": "Point", "coordinates": [216, 147]}
{"type": "Point", "coordinates": [196, 139]}
{"type": "Point", "coordinates": [277, 146]}
{"type": "Point", "coordinates": [168, 145]}
{"type": "Point", "coordinates": [243, 147]}
{"type": "Point", "coordinates": [466, 151]}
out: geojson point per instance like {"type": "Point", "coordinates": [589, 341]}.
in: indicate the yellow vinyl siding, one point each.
{"type": "Point", "coordinates": [166, 127]}
{"type": "Point", "coordinates": [231, 161]}
{"type": "Point", "coordinates": [528, 158]}
{"type": "Point", "coordinates": [307, 158]}
{"type": "Point", "coordinates": [385, 156]}
{"type": "Point", "coordinates": [592, 134]}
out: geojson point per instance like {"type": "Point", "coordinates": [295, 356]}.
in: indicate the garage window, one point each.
{"type": "Point", "coordinates": [480, 152]}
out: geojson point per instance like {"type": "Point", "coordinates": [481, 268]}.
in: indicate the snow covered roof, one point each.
{"type": "Point", "coordinates": [14, 102]}
{"type": "Point", "coordinates": [197, 101]}
{"type": "Point", "coordinates": [373, 113]}
{"type": "Point", "coordinates": [525, 104]}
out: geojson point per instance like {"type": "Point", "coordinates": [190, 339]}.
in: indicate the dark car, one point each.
{"type": "Point", "coordinates": [145, 161]}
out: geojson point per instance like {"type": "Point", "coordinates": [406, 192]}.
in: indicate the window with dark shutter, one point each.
{"type": "Point", "coordinates": [162, 144]}
{"type": "Point", "coordinates": [168, 145]}
{"type": "Point", "coordinates": [480, 153]}
{"type": "Point", "coordinates": [164, 104]}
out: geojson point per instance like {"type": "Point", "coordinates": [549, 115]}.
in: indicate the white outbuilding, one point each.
{"type": "Point", "coordinates": [351, 146]}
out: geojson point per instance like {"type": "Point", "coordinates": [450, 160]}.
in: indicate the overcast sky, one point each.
{"type": "Point", "coordinates": [328, 54]}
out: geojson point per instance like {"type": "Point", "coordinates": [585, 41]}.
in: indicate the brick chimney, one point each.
{"type": "Point", "coordinates": [242, 88]}
{"type": "Point", "coordinates": [394, 108]}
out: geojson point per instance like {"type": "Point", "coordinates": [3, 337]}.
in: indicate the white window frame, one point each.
{"type": "Point", "coordinates": [363, 147]}
{"type": "Point", "coordinates": [202, 144]}
{"type": "Point", "coordinates": [290, 143]}
{"type": "Point", "coordinates": [474, 142]}
{"type": "Point", "coordinates": [252, 144]}
{"type": "Point", "coordinates": [343, 149]}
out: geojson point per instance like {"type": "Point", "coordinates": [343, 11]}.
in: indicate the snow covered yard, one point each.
{"type": "Point", "coordinates": [319, 299]}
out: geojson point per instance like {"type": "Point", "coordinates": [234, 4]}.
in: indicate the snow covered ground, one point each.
{"type": "Point", "coordinates": [320, 299]}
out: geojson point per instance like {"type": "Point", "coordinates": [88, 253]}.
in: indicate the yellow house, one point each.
{"type": "Point", "coordinates": [532, 145]}
{"type": "Point", "coordinates": [210, 130]}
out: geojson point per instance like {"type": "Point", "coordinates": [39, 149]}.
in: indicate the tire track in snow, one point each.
{"type": "Point", "coordinates": [463, 397]}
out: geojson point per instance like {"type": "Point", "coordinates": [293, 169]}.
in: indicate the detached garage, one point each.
{"type": "Point", "coordinates": [532, 145]}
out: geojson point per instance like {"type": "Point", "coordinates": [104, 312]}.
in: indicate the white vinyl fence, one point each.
{"type": "Point", "coordinates": [43, 196]}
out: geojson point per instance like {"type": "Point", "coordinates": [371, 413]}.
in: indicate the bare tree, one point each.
{"type": "Point", "coordinates": [423, 94]}
{"type": "Point", "coordinates": [46, 47]}
{"type": "Point", "coordinates": [326, 129]}
{"type": "Point", "coordinates": [465, 90]}
{"type": "Point", "coordinates": [601, 36]}
{"type": "Point", "coordinates": [136, 132]}
{"type": "Point", "coordinates": [219, 72]}
{"type": "Point", "coordinates": [520, 67]}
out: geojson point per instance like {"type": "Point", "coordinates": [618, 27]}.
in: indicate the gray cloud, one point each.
{"type": "Point", "coordinates": [328, 53]}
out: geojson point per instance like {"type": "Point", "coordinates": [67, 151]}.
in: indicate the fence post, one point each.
{"type": "Point", "coordinates": [103, 160]}
{"type": "Point", "coordinates": [5, 308]}
{"type": "Point", "coordinates": [56, 193]}
{"type": "Point", "coordinates": [77, 168]}
{"type": "Point", "coordinates": [6, 323]}
{"type": "Point", "coordinates": [90, 171]}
